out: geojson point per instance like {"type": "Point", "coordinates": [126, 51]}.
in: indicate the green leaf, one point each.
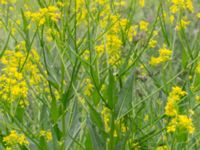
{"type": "Point", "coordinates": [111, 91]}
{"type": "Point", "coordinates": [88, 142]}
{"type": "Point", "coordinates": [54, 110]}
{"type": "Point", "coordinates": [6, 44]}
{"type": "Point", "coordinates": [19, 113]}
{"type": "Point", "coordinates": [124, 103]}
{"type": "Point", "coordinates": [97, 140]}
{"type": "Point", "coordinates": [95, 116]}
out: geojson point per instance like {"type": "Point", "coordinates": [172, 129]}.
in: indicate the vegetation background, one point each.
{"type": "Point", "coordinates": [99, 74]}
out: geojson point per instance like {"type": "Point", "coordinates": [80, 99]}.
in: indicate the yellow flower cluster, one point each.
{"type": "Point", "coordinates": [181, 122]}
{"type": "Point", "coordinates": [119, 125]}
{"type": "Point", "coordinates": [197, 98]}
{"type": "Point", "coordinates": [31, 70]}
{"type": "Point", "coordinates": [175, 96]}
{"type": "Point", "coordinates": [113, 47]}
{"type": "Point", "coordinates": [106, 118]}
{"type": "Point", "coordinates": [46, 134]}
{"type": "Point", "coordinates": [14, 138]}
{"type": "Point", "coordinates": [198, 15]}
{"type": "Point", "coordinates": [178, 5]}
{"type": "Point", "coordinates": [184, 22]}
{"type": "Point", "coordinates": [88, 87]}
{"type": "Point", "coordinates": [164, 56]}
{"type": "Point", "coordinates": [12, 84]}
{"type": "Point", "coordinates": [142, 3]}
{"type": "Point", "coordinates": [153, 42]}
{"type": "Point", "coordinates": [171, 110]}
{"type": "Point", "coordinates": [40, 17]}
{"type": "Point", "coordinates": [144, 25]}
{"type": "Point", "coordinates": [4, 2]}
{"type": "Point", "coordinates": [113, 42]}
{"type": "Point", "coordinates": [198, 68]}
{"type": "Point", "coordinates": [165, 147]}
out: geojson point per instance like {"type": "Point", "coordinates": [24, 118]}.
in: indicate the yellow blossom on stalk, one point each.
{"type": "Point", "coordinates": [143, 25]}
{"type": "Point", "coordinates": [113, 47]}
{"type": "Point", "coordinates": [46, 134]}
{"type": "Point", "coordinates": [43, 14]}
{"type": "Point", "coordinates": [197, 98]}
{"type": "Point", "coordinates": [142, 3]}
{"type": "Point", "coordinates": [164, 56]}
{"type": "Point", "coordinates": [120, 3]}
{"type": "Point", "coordinates": [152, 43]}
{"type": "Point", "coordinates": [4, 2]}
{"type": "Point", "coordinates": [171, 110]}
{"type": "Point", "coordinates": [99, 49]}
{"type": "Point", "coordinates": [198, 68]}
{"type": "Point", "coordinates": [174, 96]}
{"type": "Point", "coordinates": [88, 87]}
{"type": "Point", "coordinates": [171, 18]}
{"type": "Point", "coordinates": [184, 22]}
{"type": "Point", "coordinates": [178, 5]}
{"type": "Point", "coordinates": [132, 32]}
{"type": "Point", "coordinates": [86, 54]}
{"type": "Point", "coordinates": [14, 138]}
{"type": "Point", "coordinates": [106, 118]}
{"type": "Point", "coordinates": [60, 4]}
{"type": "Point", "coordinates": [164, 147]}
{"type": "Point", "coordinates": [146, 117]}
{"type": "Point", "coordinates": [12, 84]}
{"type": "Point", "coordinates": [181, 122]}
{"type": "Point", "coordinates": [198, 15]}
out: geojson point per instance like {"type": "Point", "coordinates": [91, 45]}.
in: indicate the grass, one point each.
{"type": "Point", "coordinates": [99, 74]}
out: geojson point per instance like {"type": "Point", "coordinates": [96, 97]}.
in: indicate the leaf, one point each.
{"type": "Point", "coordinates": [19, 113]}
{"type": "Point", "coordinates": [43, 143]}
{"type": "Point", "coordinates": [88, 142]}
{"type": "Point", "coordinates": [111, 91]}
{"type": "Point", "coordinates": [124, 103]}
{"type": "Point", "coordinates": [54, 110]}
{"type": "Point", "coordinates": [97, 140]}
{"type": "Point", "coordinates": [95, 116]}
{"type": "Point", "coordinates": [5, 45]}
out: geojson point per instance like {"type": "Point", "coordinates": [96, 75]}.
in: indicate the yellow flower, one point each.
{"type": "Point", "coordinates": [152, 43]}
{"type": "Point", "coordinates": [88, 87]}
{"type": "Point", "coordinates": [171, 18]}
{"type": "Point", "coordinates": [4, 2]}
{"type": "Point", "coordinates": [184, 22]}
{"type": "Point", "coordinates": [164, 56]}
{"type": "Point", "coordinates": [146, 117]}
{"type": "Point", "coordinates": [178, 5]}
{"type": "Point", "coordinates": [143, 25]}
{"type": "Point", "coordinates": [170, 108]}
{"type": "Point", "coordinates": [105, 113]}
{"type": "Point", "coordinates": [46, 134]}
{"type": "Point", "coordinates": [164, 147]}
{"type": "Point", "coordinates": [99, 49]}
{"type": "Point", "coordinates": [197, 98]}
{"type": "Point", "coordinates": [198, 68]}
{"type": "Point", "coordinates": [113, 46]}
{"type": "Point", "coordinates": [198, 15]}
{"type": "Point", "coordinates": [186, 123]}
{"type": "Point", "coordinates": [40, 17]}
{"type": "Point", "coordinates": [14, 138]}
{"type": "Point", "coordinates": [174, 96]}
{"type": "Point", "coordinates": [142, 3]}
{"type": "Point", "coordinates": [171, 128]}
